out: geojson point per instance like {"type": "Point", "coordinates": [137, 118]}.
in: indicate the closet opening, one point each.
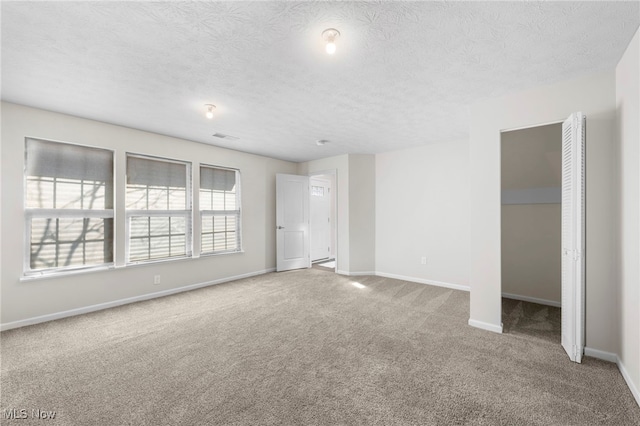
{"type": "Point", "coordinates": [531, 231]}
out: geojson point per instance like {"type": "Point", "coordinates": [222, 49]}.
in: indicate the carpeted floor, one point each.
{"type": "Point", "coordinates": [303, 347]}
{"type": "Point", "coordinates": [531, 319]}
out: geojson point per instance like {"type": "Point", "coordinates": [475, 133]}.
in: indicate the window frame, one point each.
{"type": "Point", "coordinates": [187, 214]}
{"type": "Point", "coordinates": [30, 213]}
{"type": "Point", "coordinates": [116, 189]}
{"type": "Point", "coordinates": [212, 213]}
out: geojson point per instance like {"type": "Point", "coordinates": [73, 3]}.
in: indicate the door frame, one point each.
{"type": "Point", "coordinates": [334, 212]}
{"type": "Point", "coordinates": [582, 320]}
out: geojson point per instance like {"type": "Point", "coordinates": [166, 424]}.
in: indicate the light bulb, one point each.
{"type": "Point", "coordinates": [331, 48]}
{"type": "Point", "coordinates": [330, 35]}
{"type": "Point", "coordinates": [210, 109]}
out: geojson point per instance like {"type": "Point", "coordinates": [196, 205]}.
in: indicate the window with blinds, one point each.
{"type": "Point", "coordinates": [220, 209]}
{"type": "Point", "coordinates": [158, 209]}
{"type": "Point", "coordinates": [68, 207]}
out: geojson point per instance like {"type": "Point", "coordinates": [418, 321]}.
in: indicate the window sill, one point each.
{"type": "Point", "coordinates": [65, 273]}
{"type": "Point", "coordinates": [224, 253]}
{"type": "Point", "coordinates": [81, 271]}
{"type": "Point", "coordinates": [175, 259]}
{"type": "Point", "coordinates": [155, 261]}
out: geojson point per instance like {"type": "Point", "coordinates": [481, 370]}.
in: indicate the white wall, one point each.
{"type": "Point", "coordinates": [594, 95]}
{"type": "Point", "coordinates": [628, 131]}
{"type": "Point", "coordinates": [531, 245]}
{"type": "Point", "coordinates": [28, 299]}
{"type": "Point", "coordinates": [531, 252]}
{"type": "Point", "coordinates": [422, 209]}
{"type": "Point", "coordinates": [362, 204]}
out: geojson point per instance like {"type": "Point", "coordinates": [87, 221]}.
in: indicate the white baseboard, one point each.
{"type": "Point", "coordinates": [359, 274]}
{"type": "Point", "coordinates": [112, 304]}
{"type": "Point", "coordinates": [611, 357]}
{"type": "Point", "coordinates": [605, 356]}
{"type": "Point", "coordinates": [422, 281]}
{"type": "Point", "coordinates": [627, 378]}
{"type": "Point", "coordinates": [532, 300]}
{"type": "Point", "coordinates": [485, 326]}
{"type": "Point", "coordinates": [355, 274]}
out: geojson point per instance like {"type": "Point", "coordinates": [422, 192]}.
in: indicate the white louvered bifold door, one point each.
{"type": "Point", "coordinates": [573, 235]}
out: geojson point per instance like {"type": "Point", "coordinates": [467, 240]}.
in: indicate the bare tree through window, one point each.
{"type": "Point", "coordinates": [68, 205]}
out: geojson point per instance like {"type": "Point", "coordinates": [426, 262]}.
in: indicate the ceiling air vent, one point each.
{"type": "Point", "coordinates": [223, 136]}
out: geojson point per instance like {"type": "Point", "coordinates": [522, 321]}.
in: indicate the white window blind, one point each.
{"type": "Point", "coordinates": [220, 209]}
{"type": "Point", "coordinates": [158, 203]}
{"type": "Point", "coordinates": [68, 207]}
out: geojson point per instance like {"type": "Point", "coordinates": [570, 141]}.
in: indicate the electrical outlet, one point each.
{"type": "Point", "coordinates": [423, 260]}
{"type": "Point", "coordinates": [156, 279]}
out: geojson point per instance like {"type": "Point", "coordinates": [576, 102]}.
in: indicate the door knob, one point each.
{"type": "Point", "coordinates": [279, 227]}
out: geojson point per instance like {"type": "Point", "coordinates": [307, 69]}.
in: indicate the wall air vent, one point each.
{"type": "Point", "coordinates": [223, 136]}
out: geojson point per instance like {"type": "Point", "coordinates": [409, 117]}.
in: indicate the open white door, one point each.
{"type": "Point", "coordinates": [573, 235]}
{"type": "Point", "coordinates": [292, 222]}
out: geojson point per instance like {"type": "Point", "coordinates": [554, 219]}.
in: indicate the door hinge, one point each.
{"type": "Point", "coordinates": [575, 255]}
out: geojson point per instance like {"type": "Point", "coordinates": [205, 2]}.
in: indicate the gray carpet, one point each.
{"type": "Point", "coordinates": [302, 347]}
{"type": "Point", "coordinates": [531, 319]}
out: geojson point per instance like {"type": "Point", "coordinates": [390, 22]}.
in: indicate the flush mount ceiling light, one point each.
{"type": "Point", "coordinates": [330, 35]}
{"type": "Point", "coordinates": [210, 109]}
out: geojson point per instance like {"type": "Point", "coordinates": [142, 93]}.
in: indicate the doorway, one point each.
{"type": "Point", "coordinates": [294, 201]}
{"type": "Point", "coordinates": [533, 252]}
{"type": "Point", "coordinates": [323, 224]}
{"type": "Point", "coordinates": [531, 219]}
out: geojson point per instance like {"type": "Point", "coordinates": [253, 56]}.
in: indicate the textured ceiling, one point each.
{"type": "Point", "coordinates": [404, 73]}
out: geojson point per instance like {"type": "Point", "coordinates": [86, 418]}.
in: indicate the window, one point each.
{"type": "Point", "coordinates": [317, 191]}
{"type": "Point", "coordinates": [158, 202]}
{"type": "Point", "coordinates": [220, 209]}
{"type": "Point", "coordinates": [68, 207]}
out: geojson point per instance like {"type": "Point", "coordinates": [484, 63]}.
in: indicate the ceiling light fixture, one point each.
{"type": "Point", "coordinates": [210, 108]}
{"type": "Point", "coordinates": [330, 35]}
